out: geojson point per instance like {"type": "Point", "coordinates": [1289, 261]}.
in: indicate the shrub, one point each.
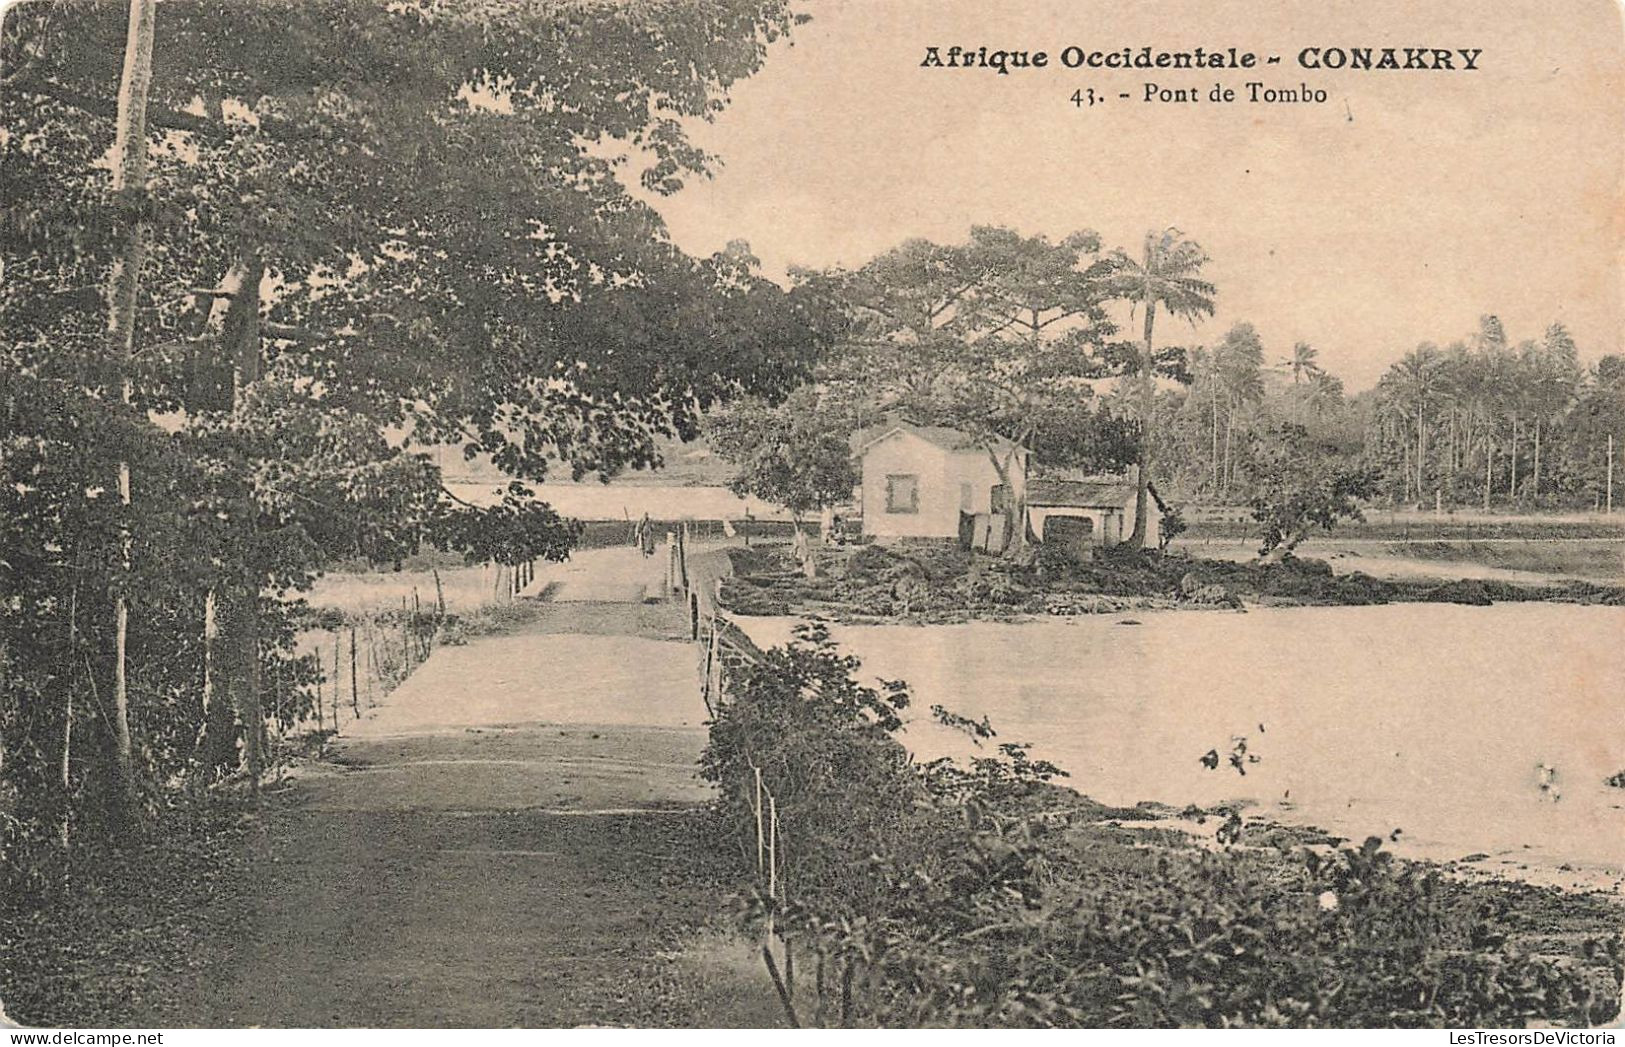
{"type": "Point", "coordinates": [981, 895]}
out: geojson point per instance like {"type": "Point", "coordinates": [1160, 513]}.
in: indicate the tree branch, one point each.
{"type": "Point", "coordinates": [287, 333]}
{"type": "Point", "coordinates": [173, 119]}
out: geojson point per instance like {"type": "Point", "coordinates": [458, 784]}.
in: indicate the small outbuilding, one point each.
{"type": "Point", "coordinates": [1098, 509]}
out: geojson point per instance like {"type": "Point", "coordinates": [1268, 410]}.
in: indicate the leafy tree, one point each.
{"type": "Point", "coordinates": [422, 233]}
{"type": "Point", "coordinates": [1303, 486]}
{"type": "Point", "coordinates": [795, 455]}
{"type": "Point", "coordinates": [1000, 337]}
{"type": "Point", "coordinates": [1412, 389]}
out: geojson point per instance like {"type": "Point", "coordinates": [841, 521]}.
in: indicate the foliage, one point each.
{"type": "Point", "coordinates": [1302, 487]}
{"type": "Point", "coordinates": [515, 531]}
{"type": "Point", "coordinates": [1479, 421]}
{"type": "Point", "coordinates": [1171, 526]}
{"type": "Point", "coordinates": [1000, 337]}
{"type": "Point", "coordinates": [824, 746]}
{"type": "Point", "coordinates": [1167, 275]}
{"type": "Point", "coordinates": [795, 455]}
{"type": "Point", "coordinates": [980, 896]}
{"type": "Point", "coordinates": [353, 253]}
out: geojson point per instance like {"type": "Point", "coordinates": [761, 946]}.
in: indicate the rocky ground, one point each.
{"type": "Point", "coordinates": [938, 582]}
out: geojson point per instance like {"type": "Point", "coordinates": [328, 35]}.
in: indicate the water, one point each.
{"type": "Point", "coordinates": [1432, 719]}
{"type": "Point", "coordinates": [595, 501]}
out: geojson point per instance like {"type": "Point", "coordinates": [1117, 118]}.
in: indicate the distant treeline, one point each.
{"type": "Point", "coordinates": [1480, 421]}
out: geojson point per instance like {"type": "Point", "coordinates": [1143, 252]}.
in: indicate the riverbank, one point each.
{"type": "Point", "coordinates": [982, 892]}
{"type": "Point", "coordinates": [940, 583]}
{"type": "Point", "coordinates": [1455, 730]}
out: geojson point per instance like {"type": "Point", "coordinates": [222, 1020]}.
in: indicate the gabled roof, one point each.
{"type": "Point", "coordinates": [1095, 492]}
{"type": "Point", "coordinates": [948, 439]}
{"type": "Point", "coordinates": [1085, 494]}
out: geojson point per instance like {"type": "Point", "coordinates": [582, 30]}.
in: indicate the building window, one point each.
{"type": "Point", "coordinates": [903, 494]}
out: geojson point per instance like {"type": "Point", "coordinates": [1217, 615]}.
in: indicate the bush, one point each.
{"type": "Point", "coordinates": [983, 895]}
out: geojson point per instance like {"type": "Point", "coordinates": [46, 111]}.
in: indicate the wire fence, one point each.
{"type": "Point", "coordinates": [726, 648]}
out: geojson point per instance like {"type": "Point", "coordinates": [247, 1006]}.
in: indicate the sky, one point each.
{"type": "Point", "coordinates": [1397, 212]}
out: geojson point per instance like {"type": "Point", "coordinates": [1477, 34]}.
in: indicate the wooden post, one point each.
{"type": "Point", "coordinates": [1610, 498]}
{"type": "Point", "coordinates": [338, 676]}
{"type": "Point", "coordinates": [355, 692]}
{"type": "Point", "coordinates": [414, 627]}
{"type": "Point", "coordinates": [713, 664]}
{"type": "Point", "coordinates": [439, 594]}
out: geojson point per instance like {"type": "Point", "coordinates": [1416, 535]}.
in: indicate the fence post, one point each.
{"type": "Point", "coordinates": [338, 687]}
{"type": "Point", "coordinates": [355, 692]}
{"type": "Point", "coordinates": [713, 663]}
{"type": "Point", "coordinates": [682, 556]}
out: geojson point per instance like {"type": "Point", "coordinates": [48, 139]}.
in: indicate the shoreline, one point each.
{"type": "Point", "coordinates": [1526, 846]}
{"type": "Point", "coordinates": [936, 585]}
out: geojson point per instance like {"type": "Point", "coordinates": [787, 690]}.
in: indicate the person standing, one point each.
{"type": "Point", "coordinates": [646, 535]}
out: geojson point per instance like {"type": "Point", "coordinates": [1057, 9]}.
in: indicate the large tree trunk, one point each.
{"type": "Point", "coordinates": [233, 326]}
{"type": "Point", "coordinates": [1136, 540]}
{"type": "Point", "coordinates": [243, 678]}
{"type": "Point", "coordinates": [129, 186]}
{"type": "Point", "coordinates": [1012, 474]}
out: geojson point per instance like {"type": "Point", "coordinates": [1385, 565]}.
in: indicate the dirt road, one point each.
{"type": "Point", "coordinates": [514, 838]}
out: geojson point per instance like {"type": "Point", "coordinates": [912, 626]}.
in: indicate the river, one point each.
{"type": "Point", "coordinates": [1433, 719]}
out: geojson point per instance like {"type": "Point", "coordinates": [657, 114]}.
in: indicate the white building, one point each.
{"type": "Point", "coordinates": [1099, 510]}
{"type": "Point", "coordinates": [922, 481]}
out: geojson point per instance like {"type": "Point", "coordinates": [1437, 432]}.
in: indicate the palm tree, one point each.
{"type": "Point", "coordinates": [1325, 390]}
{"type": "Point", "coordinates": [1241, 373]}
{"type": "Point", "coordinates": [1414, 384]}
{"type": "Point", "coordinates": [1168, 275]}
{"type": "Point", "coordinates": [1555, 373]}
{"type": "Point", "coordinates": [1303, 362]}
{"type": "Point", "coordinates": [1205, 366]}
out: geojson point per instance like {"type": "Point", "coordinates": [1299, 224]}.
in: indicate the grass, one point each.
{"type": "Point", "coordinates": [1597, 559]}
{"type": "Point", "coordinates": [1382, 525]}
